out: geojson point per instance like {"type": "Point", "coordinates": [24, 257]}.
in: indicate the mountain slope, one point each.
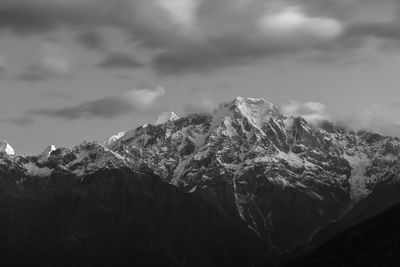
{"type": "Point", "coordinates": [374, 242]}
{"type": "Point", "coordinates": [114, 217]}
{"type": "Point", "coordinates": [385, 194]}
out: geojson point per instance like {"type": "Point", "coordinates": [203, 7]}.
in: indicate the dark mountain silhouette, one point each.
{"type": "Point", "coordinates": [114, 217]}
{"type": "Point", "coordinates": [373, 242]}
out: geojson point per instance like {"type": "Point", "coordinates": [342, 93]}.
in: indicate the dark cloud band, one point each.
{"type": "Point", "coordinates": [199, 36]}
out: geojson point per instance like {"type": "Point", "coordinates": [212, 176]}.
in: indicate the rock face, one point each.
{"type": "Point", "coordinates": [282, 178]}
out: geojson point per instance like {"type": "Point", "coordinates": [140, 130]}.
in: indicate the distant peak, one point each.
{"type": "Point", "coordinates": [6, 148]}
{"type": "Point", "coordinates": [46, 153]}
{"type": "Point", "coordinates": [111, 140]}
{"type": "Point", "coordinates": [166, 117]}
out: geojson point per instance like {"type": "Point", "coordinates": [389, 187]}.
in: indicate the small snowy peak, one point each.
{"type": "Point", "coordinates": [6, 148]}
{"type": "Point", "coordinates": [46, 153]}
{"type": "Point", "coordinates": [111, 140]}
{"type": "Point", "coordinates": [166, 117]}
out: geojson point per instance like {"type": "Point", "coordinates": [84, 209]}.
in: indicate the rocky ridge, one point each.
{"type": "Point", "coordinates": [284, 178]}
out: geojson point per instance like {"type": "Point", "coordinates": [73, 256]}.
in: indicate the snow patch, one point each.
{"type": "Point", "coordinates": [110, 141]}
{"type": "Point", "coordinates": [358, 180]}
{"type": "Point", "coordinates": [292, 159]}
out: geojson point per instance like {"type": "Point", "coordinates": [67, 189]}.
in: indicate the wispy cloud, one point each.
{"type": "Point", "coordinates": [3, 66]}
{"type": "Point", "coordinates": [203, 105]}
{"type": "Point", "coordinates": [91, 39]}
{"type": "Point", "coordinates": [46, 70]}
{"type": "Point", "coordinates": [107, 107]}
{"type": "Point", "coordinates": [313, 112]}
{"type": "Point", "coordinates": [51, 64]}
{"type": "Point", "coordinates": [56, 94]}
{"type": "Point", "coordinates": [118, 60]}
{"type": "Point", "coordinates": [19, 121]}
{"type": "Point", "coordinates": [381, 119]}
{"type": "Point", "coordinates": [376, 118]}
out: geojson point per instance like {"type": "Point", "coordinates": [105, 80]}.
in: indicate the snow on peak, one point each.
{"type": "Point", "coordinates": [166, 117]}
{"type": "Point", "coordinates": [253, 103]}
{"type": "Point", "coordinates": [5, 147]}
{"type": "Point", "coordinates": [46, 153]}
{"type": "Point", "coordinates": [113, 139]}
{"type": "Point", "coordinates": [256, 110]}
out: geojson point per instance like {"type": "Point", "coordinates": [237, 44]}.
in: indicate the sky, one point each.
{"type": "Point", "coordinates": [75, 70]}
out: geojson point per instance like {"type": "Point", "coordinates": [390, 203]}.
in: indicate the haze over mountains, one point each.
{"type": "Point", "coordinates": [247, 171]}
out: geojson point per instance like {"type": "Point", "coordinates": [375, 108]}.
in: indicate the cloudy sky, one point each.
{"type": "Point", "coordinates": [74, 70]}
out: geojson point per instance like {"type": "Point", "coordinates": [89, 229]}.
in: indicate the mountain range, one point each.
{"type": "Point", "coordinates": [243, 186]}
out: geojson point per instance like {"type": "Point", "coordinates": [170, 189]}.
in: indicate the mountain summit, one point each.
{"type": "Point", "coordinates": [47, 152]}
{"type": "Point", "coordinates": [6, 148]}
{"type": "Point", "coordinates": [165, 117]}
{"type": "Point", "coordinates": [256, 110]}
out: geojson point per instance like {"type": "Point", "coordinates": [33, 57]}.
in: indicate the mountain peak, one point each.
{"type": "Point", "coordinates": [5, 147]}
{"type": "Point", "coordinates": [166, 117]}
{"type": "Point", "coordinates": [46, 153]}
{"type": "Point", "coordinates": [256, 110]}
{"type": "Point", "coordinates": [250, 100]}
{"type": "Point", "coordinates": [111, 140]}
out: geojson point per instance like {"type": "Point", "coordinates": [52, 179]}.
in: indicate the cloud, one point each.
{"type": "Point", "coordinates": [3, 66]}
{"type": "Point", "coordinates": [234, 35]}
{"type": "Point", "coordinates": [21, 121]}
{"type": "Point", "coordinates": [91, 39]}
{"type": "Point", "coordinates": [181, 11]}
{"type": "Point", "coordinates": [107, 107]}
{"type": "Point", "coordinates": [52, 64]}
{"type": "Point", "coordinates": [293, 23]}
{"type": "Point", "coordinates": [386, 32]}
{"type": "Point", "coordinates": [376, 118]}
{"type": "Point", "coordinates": [313, 112]}
{"type": "Point", "coordinates": [56, 94]}
{"type": "Point", "coordinates": [117, 60]}
{"type": "Point", "coordinates": [204, 105]}
{"type": "Point", "coordinates": [28, 17]}
{"type": "Point", "coordinates": [184, 36]}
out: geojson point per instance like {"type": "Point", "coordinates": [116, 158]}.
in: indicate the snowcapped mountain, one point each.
{"type": "Point", "coordinates": [281, 177]}
{"type": "Point", "coordinates": [284, 177]}
{"type": "Point", "coordinates": [6, 148]}
{"type": "Point", "coordinates": [166, 117]}
{"type": "Point", "coordinates": [47, 152]}
{"type": "Point", "coordinates": [113, 139]}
